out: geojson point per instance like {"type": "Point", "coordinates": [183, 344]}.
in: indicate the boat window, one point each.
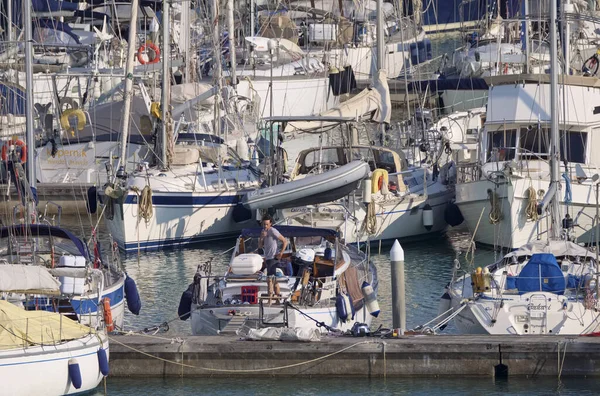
{"type": "Point", "coordinates": [386, 161]}
{"type": "Point", "coordinates": [534, 142]}
{"type": "Point", "coordinates": [572, 146]}
{"type": "Point", "coordinates": [50, 37]}
{"type": "Point", "coordinates": [308, 241]}
{"type": "Point", "coordinates": [502, 144]}
{"type": "Point", "coordinates": [325, 156]}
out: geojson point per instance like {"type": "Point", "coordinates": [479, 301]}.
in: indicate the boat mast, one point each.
{"type": "Point", "coordinates": [554, 147]}
{"type": "Point", "coordinates": [217, 61]}
{"type": "Point", "coordinates": [128, 92]}
{"type": "Point", "coordinates": [380, 38]}
{"type": "Point", "coordinates": [166, 83]}
{"type": "Point", "coordinates": [232, 57]}
{"type": "Point", "coordinates": [29, 135]}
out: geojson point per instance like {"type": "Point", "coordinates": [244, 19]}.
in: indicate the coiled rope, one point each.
{"type": "Point", "coordinates": [144, 203]}
{"type": "Point", "coordinates": [495, 210]}
{"type": "Point", "coordinates": [531, 210]}
{"type": "Point", "coordinates": [370, 222]}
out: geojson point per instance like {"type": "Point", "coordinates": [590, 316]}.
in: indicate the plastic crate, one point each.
{"type": "Point", "coordinates": [250, 294]}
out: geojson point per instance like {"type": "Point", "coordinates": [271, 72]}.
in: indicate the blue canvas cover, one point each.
{"type": "Point", "coordinates": [542, 273]}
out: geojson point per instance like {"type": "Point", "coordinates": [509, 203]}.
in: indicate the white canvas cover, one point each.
{"type": "Point", "coordinates": [556, 247]}
{"type": "Point", "coordinates": [283, 334]}
{"type": "Point", "coordinates": [27, 279]}
{"type": "Point", "coordinates": [374, 100]}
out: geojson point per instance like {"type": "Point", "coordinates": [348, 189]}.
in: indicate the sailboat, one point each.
{"type": "Point", "coordinates": [544, 287]}
{"type": "Point", "coordinates": [66, 357]}
{"type": "Point", "coordinates": [87, 282]}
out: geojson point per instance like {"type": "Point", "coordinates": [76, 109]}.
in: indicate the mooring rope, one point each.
{"type": "Point", "coordinates": [243, 370]}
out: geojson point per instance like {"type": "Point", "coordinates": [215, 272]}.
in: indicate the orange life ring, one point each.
{"type": "Point", "coordinates": [17, 142]}
{"type": "Point", "coordinates": [108, 320]}
{"type": "Point", "coordinates": [143, 49]}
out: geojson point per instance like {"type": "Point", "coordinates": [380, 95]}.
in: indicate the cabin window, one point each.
{"type": "Point", "coordinates": [325, 156]}
{"type": "Point", "coordinates": [534, 142]}
{"type": "Point", "coordinates": [572, 146]}
{"type": "Point", "coordinates": [501, 145]}
{"type": "Point", "coordinates": [49, 36]}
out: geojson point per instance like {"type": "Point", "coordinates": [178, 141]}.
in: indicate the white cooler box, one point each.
{"type": "Point", "coordinates": [68, 284]}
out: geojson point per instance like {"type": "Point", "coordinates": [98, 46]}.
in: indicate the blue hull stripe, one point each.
{"type": "Point", "coordinates": [166, 243]}
{"type": "Point", "coordinates": [87, 306]}
{"type": "Point", "coordinates": [189, 200]}
{"type": "Point", "coordinates": [47, 360]}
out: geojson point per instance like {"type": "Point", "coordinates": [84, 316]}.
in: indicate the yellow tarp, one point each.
{"type": "Point", "coordinates": [19, 328]}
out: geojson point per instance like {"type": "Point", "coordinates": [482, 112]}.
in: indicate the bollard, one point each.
{"type": "Point", "coordinates": [398, 290]}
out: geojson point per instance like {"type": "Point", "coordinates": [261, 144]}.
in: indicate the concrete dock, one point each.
{"type": "Point", "coordinates": [223, 356]}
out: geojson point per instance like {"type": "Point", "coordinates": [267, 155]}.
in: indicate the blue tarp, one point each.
{"type": "Point", "coordinates": [292, 231]}
{"type": "Point", "coordinates": [541, 273]}
{"type": "Point", "coordinates": [13, 99]}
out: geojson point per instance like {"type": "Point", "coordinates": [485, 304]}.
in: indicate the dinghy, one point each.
{"type": "Point", "coordinates": [327, 186]}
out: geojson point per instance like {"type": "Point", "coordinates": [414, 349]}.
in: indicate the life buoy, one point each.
{"type": "Point", "coordinates": [379, 177]}
{"type": "Point", "coordinates": [143, 49]}
{"type": "Point", "coordinates": [13, 142]}
{"type": "Point", "coordinates": [108, 320]}
{"type": "Point", "coordinates": [67, 114]}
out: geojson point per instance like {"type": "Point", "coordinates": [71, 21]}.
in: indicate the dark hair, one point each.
{"type": "Point", "coordinates": [267, 217]}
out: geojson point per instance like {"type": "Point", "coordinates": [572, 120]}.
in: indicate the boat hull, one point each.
{"type": "Point", "coordinates": [212, 320]}
{"type": "Point", "coordinates": [179, 219]}
{"type": "Point", "coordinates": [44, 370]}
{"type": "Point", "coordinates": [515, 229]}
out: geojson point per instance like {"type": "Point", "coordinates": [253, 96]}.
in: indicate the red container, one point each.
{"type": "Point", "coordinates": [250, 294]}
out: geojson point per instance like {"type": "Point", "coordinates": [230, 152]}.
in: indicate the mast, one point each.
{"type": "Point", "coordinates": [380, 37]}
{"type": "Point", "coordinates": [29, 135]}
{"type": "Point", "coordinates": [554, 147]}
{"type": "Point", "coordinates": [166, 83]}
{"type": "Point", "coordinates": [525, 33]}
{"type": "Point", "coordinates": [217, 60]}
{"type": "Point", "coordinates": [128, 92]}
{"type": "Point", "coordinates": [231, 30]}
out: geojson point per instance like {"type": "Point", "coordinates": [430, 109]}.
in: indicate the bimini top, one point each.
{"type": "Point", "coordinates": [43, 230]}
{"type": "Point", "coordinates": [293, 231]}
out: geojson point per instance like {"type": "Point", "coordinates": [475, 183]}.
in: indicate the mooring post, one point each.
{"type": "Point", "coordinates": [398, 288]}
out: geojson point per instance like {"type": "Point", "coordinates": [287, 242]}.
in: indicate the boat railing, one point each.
{"type": "Point", "coordinates": [468, 172]}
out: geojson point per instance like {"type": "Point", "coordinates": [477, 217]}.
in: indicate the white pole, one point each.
{"type": "Point", "coordinates": [398, 287]}
{"type": "Point", "coordinates": [567, 9]}
{"type": "Point", "coordinates": [29, 135]}
{"type": "Point", "coordinates": [554, 149]}
{"type": "Point", "coordinates": [231, 29]}
{"type": "Point", "coordinates": [166, 81]}
{"type": "Point", "coordinates": [380, 37]}
{"type": "Point", "coordinates": [9, 22]}
{"type": "Point", "coordinates": [128, 92]}
{"type": "Point", "coordinates": [185, 40]}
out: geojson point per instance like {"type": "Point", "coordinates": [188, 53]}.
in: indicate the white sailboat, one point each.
{"type": "Point", "coordinates": [66, 357]}
{"type": "Point", "coordinates": [544, 287]}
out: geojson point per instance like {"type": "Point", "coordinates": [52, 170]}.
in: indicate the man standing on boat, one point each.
{"type": "Point", "coordinates": [268, 242]}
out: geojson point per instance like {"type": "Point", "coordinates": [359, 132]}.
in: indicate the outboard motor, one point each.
{"type": "Point", "coordinates": [304, 258]}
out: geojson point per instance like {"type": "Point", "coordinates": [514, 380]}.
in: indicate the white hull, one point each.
{"type": "Point", "coordinates": [210, 321]}
{"type": "Point", "coordinates": [395, 219]}
{"type": "Point", "coordinates": [44, 370]}
{"type": "Point", "coordinates": [179, 219]}
{"type": "Point", "coordinates": [515, 229]}
{"type": "Point", "coordinates": [81, 163]}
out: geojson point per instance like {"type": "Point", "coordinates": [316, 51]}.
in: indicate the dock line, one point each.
{"type": "Point", "coordinates": [245, 370]}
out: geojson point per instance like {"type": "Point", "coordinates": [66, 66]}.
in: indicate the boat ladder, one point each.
{"type": "Point", "coordinates": [235, 323]}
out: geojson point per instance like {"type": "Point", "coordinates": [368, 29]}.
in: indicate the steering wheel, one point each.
{"type": "Point", "coordinates": [322, 167]}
